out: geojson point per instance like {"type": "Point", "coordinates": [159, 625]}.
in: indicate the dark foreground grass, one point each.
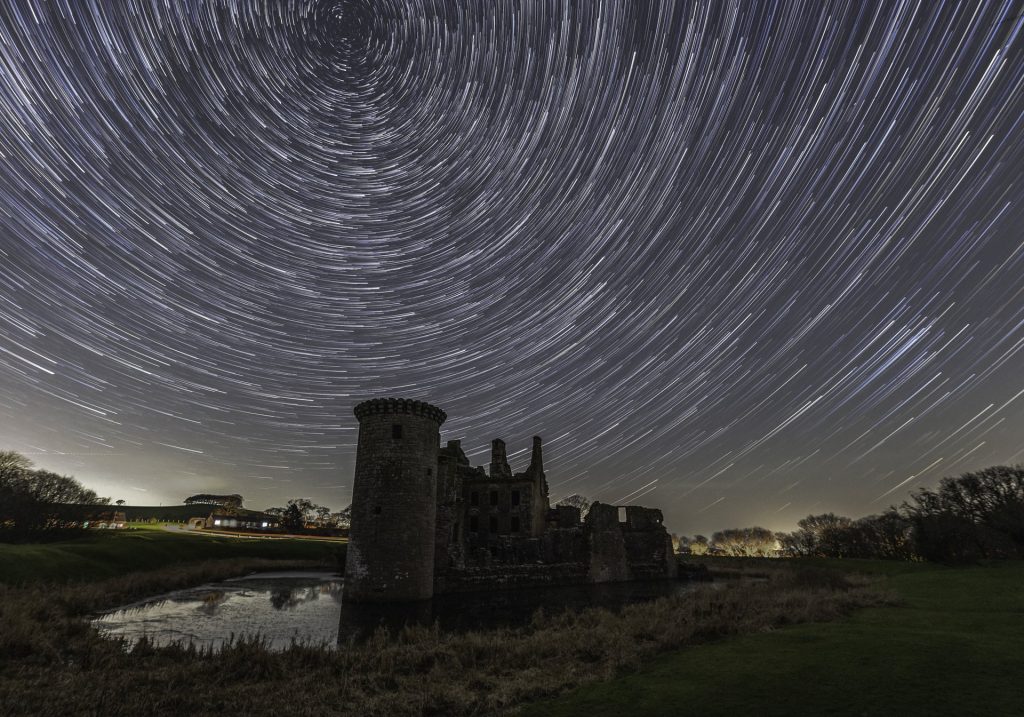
{"type": "Point", "coordinates": [421, 671]}
{"type": "Point", "coordinates": [954, 646]}
{"type": "Point", "coordinates": [109, 553]}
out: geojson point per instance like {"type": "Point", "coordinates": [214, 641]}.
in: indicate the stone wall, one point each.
{"type": "Point", "coordinates": [608, 560]}
{"type": "Point", "coordinates": [390, 555]}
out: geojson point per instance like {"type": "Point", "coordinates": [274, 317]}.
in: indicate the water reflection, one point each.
{"type": "Point", "coordinates": [279, 608]}
{"type": "Point", "coordinates": [282, 608]}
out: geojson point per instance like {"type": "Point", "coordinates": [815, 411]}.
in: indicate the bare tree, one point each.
{"type": "Point", "coordinates": [576, 501]}
{"type": "Point", "coordinates": [699, 545]}
{"type": "Point", "coordinates": [745, 542]}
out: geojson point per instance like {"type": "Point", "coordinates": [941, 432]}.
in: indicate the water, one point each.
{"type": "Point", "coordinates": [306, 607]}
{"type": "Point", "coordinates": [279, 607]}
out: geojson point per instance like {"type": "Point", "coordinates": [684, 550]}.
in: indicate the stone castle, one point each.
{"type": "Point", "coordinates": [426, 522]}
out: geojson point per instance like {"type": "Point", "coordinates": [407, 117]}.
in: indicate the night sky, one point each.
{"type": "Point", "coordinates": [742, 261]}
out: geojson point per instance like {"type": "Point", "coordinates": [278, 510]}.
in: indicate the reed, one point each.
{"type": "Point", "coordinates": [44, 640]}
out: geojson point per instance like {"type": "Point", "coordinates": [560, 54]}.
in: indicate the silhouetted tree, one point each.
{"type": "Point", "coordinates": [745, 542]}
{"type": "Point", "coordinates": [297, 514]}
{"type": "Point", "coordinates": [977, 515]}
{"type": "Point", "coordinates": [818, 535]}
{"type": "Point", "coordinates": [31, 500]}
{"type": "Point", "coordinates": [343, 518]}
{"type": "Point", "coordinates": [576, 501]}
{"type": "Point", "coordinates": [234, 500]}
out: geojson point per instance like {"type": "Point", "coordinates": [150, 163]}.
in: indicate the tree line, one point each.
{"type": "Point", "coordinates": [303, 515]}
{"type": "Point", "coordinates": [31, 499]}
{"type": "Point", "coordinates": [976, 516]}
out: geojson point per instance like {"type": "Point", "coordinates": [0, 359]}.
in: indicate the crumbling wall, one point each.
{"type": "Point", "coordinates": [565, 545]}
{"type": "Point", "coordinates": [564, 516]}
{"type": "Point", "coordinates": [448, 550]}
{"type": "Point", "coordinates": [608, 559]}
{"type": "Point", "coordinates": [648, 544]}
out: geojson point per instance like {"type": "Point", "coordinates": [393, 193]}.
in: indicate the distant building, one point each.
{"type": "Point", "coordinates": [424, 521]}
{"type": "Point", "coordinates": [235, 520]}
{"type": "Point", "coordinates": [107, 520]}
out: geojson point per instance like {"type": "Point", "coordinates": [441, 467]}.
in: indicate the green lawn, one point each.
{"type": "Point", "coordinates": [110, 553]}
{"type": "Point", "coordinates": [954, 647]}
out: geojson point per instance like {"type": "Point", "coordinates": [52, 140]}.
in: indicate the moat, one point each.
{"type": "Point", "coordinates": [307, 607]}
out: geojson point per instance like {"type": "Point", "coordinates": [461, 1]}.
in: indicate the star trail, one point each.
{"type": "Point", "coordinates": [742, 261]}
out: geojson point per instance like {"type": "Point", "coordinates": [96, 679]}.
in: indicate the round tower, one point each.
{"type": "Point", "coordinates": [394, 502]}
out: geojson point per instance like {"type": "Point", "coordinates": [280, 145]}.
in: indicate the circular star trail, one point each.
{"type": "Point", "coordinates": [739, 260]}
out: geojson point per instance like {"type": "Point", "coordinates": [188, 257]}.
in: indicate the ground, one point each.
{"type": "Point", "coordinates": [949, 643]}
{"type": "Point", "coordinates": [109, 553]}
{"type": "Point", "coordinates": [953, 647]}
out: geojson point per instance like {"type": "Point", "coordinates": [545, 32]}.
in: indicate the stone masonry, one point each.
{"type": "Point", "coordinates": [425, 521]}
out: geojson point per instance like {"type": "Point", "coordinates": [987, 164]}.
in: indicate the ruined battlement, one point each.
{"type": "Point", "coordinates": [377, 406]}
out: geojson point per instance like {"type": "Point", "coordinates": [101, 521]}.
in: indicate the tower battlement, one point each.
{"type": "Point", "coordinates": [377, 406]}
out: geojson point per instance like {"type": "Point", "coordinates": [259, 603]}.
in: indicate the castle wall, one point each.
{"type": "Point", "coordinates": [608, 559]}
{"type": "Point", "coordinates": [496, 510]}
{"type": "Point", "coordinates": [648, 545]}
{"type": "Point", "coordinates": [425, 521]}
{"type": "Point", "coordinates": [391, 546]}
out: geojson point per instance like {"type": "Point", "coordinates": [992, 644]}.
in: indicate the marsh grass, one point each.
{"type": "Point", "coordinates": [45, 641]}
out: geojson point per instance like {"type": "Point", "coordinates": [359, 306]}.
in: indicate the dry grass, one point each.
{"type": "Point", "coordinates": [419, 671]}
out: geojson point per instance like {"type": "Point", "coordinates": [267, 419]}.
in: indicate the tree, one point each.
{"type": "Point", "coordinates": [297, 513]}
{"type": "Point", "coordinates": [576, 501]}
{"type": "Point", "coordinates": [12, 464]}
{"type": "Point", "coordinates": [974, 516]}
{"type": "Point", "coordinates": [745, 542]}
{"type": "Point", "coordinates": [699, 545]}
{"type": "Point", "coordinates": [229, 502]}
{"type": "Point", "coordinates": [343, 518]}
{"type": "Point", "coordinates": [323, 516]}
{"type": "Point", "coordinates": [119, 502]}
{"type": "Point", "coordinates": [30, 499]}
{"type": "Point", "coordinates": [818, 535]}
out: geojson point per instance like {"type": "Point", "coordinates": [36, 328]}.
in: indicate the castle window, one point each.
{"type": "Point", "coordinates": [622, 514]}
{"type": "Point", "coordinates": [515, 523]}
{"type": "Point", "coordinates": [494, 524]}
{"type": "Point", "coordinates": [430, 472]}
{"type": "Point", "coordinates": [515, 497]}
{"type": "Point", "coordinates": [474, 524]}
{"type": "Point", "coordinates": [376, 510]}
{"type": "Point", "coordinates": [494, 497]}
{"type": "Point", "coordinates": [396, 430]}
{"type": "Point", "coordinates": [474, 498]}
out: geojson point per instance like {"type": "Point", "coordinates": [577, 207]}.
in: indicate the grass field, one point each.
{"type": "Point", "coordinates": [109, 553]}
{"type": "Point", "coordinates": [955, 646]}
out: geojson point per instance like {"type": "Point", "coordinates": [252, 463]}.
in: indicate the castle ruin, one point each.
{"type": "Point", "coordinates": [426, 522]}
